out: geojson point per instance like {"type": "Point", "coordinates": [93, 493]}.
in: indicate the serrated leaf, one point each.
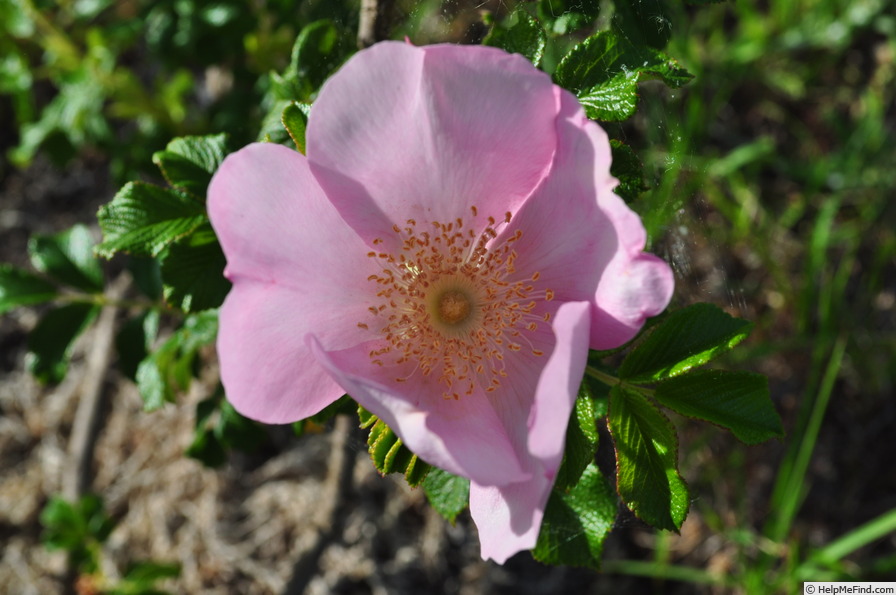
{"type": "Point", "coordinates": [614, 100]}
{"type": "Point", "coordinates": [605, 55]}
{"type": "Point", "coordinates": [68, 258]}
{"type": "Point", "coordinates": [134, 340]}
{"type": "Point", "coordinates": [738, 401]}
{"type": "Point", "coordinates": [170, 367]}
{"type": "Point", "coordinates": [627, 168]}
{"type": "Point", "coordinates": [577, 522]}
{"type": "Point", "coordinates": [51, 342]}
{"type": "Point", "coordinates": [388, 453]}
{"type": "Point", "coordinates": [643, 22]}
{"type": "Point", "coordinates": [603, 72]}
{"type": "Point", "coordinates": [188, 162]}
{"type": "Point", "coordinates": [581, 439]}
{"type": "Point", "coordinates": [193, 272]}
{"type": "Point", "coordinates": [684, 339]}
{"type": "Point", "coordinates": [21, 288]}
{"type": "Point", "coordinates": [295, 120]}
{"type": "Point", "coordinates": [448, 494]}
{"type": "Point", "coordinates": [520, 34]}
{"type": "Point", "coordinates": [144, 219]}
{"type": "Point", "coordinates": [647, 475]}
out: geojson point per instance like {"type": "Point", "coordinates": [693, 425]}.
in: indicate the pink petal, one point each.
{"type": "Point", "coordinates": [267, 371]}
{"type": "Point", "coordinates": [509, 516]}
{"type": "Point", "coordinates": [587, 249]}
{"type": "Point", "coordinates": [464, 437]}
{"type": "Point", "coordinates": [424, 133]}
{"type": "Point", "coordinates": [631, 290]}
{"type": "Point", "coordinates": [296, 268]}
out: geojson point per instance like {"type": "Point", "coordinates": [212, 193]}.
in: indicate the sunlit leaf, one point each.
{"type": "Point", "coordinates": [448, 494]}
{"type": "Point", "coordinates": [647, 475]}
{"type": "Point", "coordinates": [738, 401]}
{"type": "Point", "coordinates": [577, 522]}
{"type": "Point", "coordinates": [684, 339]}
{"type": "Point", "coordinates": [145, 219]}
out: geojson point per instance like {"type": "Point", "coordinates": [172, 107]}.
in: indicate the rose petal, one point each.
{"type": "Point", "coordinates": [587, 249]}
{"type": "Point", "coordinates": [424, 133]}
{"type": "Point", "coordinates": [296, 267]}
{"type": "Point", "coordinates": [509, 516]}
{"type": "Point", "coordinates": [631, 290]}
{"type": "Point", "coordinates": [464, 436]}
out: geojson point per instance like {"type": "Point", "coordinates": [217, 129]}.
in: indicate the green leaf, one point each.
{"type": "Point", "coordinates": [519, 34]}
{"type": "Point", "coordinates": [193, 272]}
{"type": "Point", "coordinates": [561, 17]}
{"type": "Point", "coordinates": [603, 70]}
{"type": "Point", "coordinates": [295, 120]}
{"type": "Point", "coordinates": [144, 219]}
{"type": "Point", "coordinates": [628, 170]}
{"type": "Point", "coordinates": [68, 258]}
{"type": "Point", "coordinates": [51, 342]}
{"type": "Point", "coordinates": [206, 447]}
{"type": "Point", "coordinates": [220, 428]}
{"type": "Point", "coordinates": [21, 288]}
{"type": "Point", "coordinates": [134, 340]}
{"type": "Point", "coordinates": [147, 276]}
{"type": "Point", "coordinates": [577, 522]}
{"type": "Point", "coordinates": [79, 528]}
{"type": "Point", "coordinates": [320, 49]}
{"type": "Point", "coordinates": [581, 439]}
{"type": "Point", "coordinates": [171, 367]}
{"type": "Point", "coordinates": [643, 22]}
{"type": "Point", "coordinates": [388, 453]}
{"type": "Point", "coordinates": [738, 401]}
{"type": "Point", "coordinates": [236, 431]}
{"type": "Point", "coordinates": [614, 100]}
{"type": "Point", "coordinates": [448, 494]}
{"type": "Point", "coordinates": [647, 475]}
{"type": "Point", "coordinates": [188, 162]}
{"type": "Point", "coordinates": [684, 339]}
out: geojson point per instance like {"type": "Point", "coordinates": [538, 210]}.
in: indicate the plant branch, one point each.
{"type": "Point", "coordinates": [373, 25]}
{"type": "Point", "coordinates": [76, 478]}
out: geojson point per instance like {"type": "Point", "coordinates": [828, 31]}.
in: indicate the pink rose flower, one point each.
{"type": "Point", "coordinates": [446, 254]}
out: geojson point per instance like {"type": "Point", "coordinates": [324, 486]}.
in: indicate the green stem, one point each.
{"type": "Point", "coordinates": [612, 381]}
{"type": "Point", "coordinates": [663, 572]}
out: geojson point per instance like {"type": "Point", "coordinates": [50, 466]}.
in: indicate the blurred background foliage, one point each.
{"type": "Point", "coordinates": [772, 179]}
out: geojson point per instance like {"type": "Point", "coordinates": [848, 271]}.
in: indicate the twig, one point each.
{"type": "Point", "coordinates": [76, 477]}
{"type": "Point", "coordinates": [373, 24]}
{"type": "Point", "coordinates": [338, 487]}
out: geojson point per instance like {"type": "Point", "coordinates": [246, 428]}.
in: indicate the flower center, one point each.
{"type": "Point", "coordinates": [452, 305]}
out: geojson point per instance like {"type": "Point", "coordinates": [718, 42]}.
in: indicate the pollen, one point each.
{"type": "Point", "coordinates": [450, 305]}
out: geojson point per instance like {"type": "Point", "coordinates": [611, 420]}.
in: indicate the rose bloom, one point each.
{"type": "Point", "coordinates": [446, 254]}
